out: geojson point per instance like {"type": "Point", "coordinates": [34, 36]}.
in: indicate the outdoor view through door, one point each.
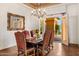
{"type": "Point", "coordinates": [58, 29]}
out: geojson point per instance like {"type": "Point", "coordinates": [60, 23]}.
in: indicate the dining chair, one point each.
{"type": "Point", "coordinates": [22, 45]}
{"type": "Point", "coordinates": [44, 48]}
{"type": "Point", "coordinates": [27, 37]}
{"type": "Point", "coordinates": [26, 33]}
{"type": "Point", "coordinates": [33, 35]}
{"type": "Point", "coordinates": [51, 39]}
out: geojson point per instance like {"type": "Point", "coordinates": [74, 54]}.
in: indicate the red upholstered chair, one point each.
{"type": "Point", "coordinates": [26, 34]}
{"type": "Point", "coordinates": [22, 45]}
{"type": "Point", "coordinates": [51, 39]}
{"type": "Point", "coordinates": [33, 34]}
{"type": "Point", "coordinates": [44, 48]}
{"type": "Point", "coordinates": [27, 37]}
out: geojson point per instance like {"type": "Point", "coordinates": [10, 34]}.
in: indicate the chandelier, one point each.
{"type": "Point", "coordinates": [38, 12]}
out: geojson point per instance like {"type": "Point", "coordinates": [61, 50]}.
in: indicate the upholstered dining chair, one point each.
{"type": "Point", "coordinates": [44, 47]}
{"type": "Point", "coordinates": [32, 32]}
{"type": "Point", "coordinates": [22, 45]}
{"type": "Point", "coordinates": [51, 39]}
{"type": "Point", "coordinates": [26, 33]}
{"type": "Point", "coordinates": [28, 37]}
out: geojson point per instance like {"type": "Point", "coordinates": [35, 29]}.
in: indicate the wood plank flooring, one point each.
{"type": "Point", "coordinates": [62, 50]}
{"type": "Point", "coordinates": [58, 50]}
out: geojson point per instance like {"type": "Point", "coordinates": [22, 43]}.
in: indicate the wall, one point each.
{"type": "Point", "coordinates": [7, 38]}
{"type": "Point", "coordinates": [72, 11]}
{"type": "Point", "coordinates": [55, 9]}
{"type": "Point", "coordinates": [34, 22]}
{"type": "Point", "coordinates": [78, 24]}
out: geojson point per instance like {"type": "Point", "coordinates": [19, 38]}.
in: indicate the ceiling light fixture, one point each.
{"type": "Point", "coordinates": [38, 11]}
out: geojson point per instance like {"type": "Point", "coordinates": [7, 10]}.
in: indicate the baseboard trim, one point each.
{"type": "Point", "coordinates": [73, 45]}
{"type": "Point", "coordinates": [8, 48]}
{"type": "Point", "coordinates": [5, 47]}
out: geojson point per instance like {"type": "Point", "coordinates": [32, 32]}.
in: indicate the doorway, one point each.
{"type": "Point", "coordinates": [60, 28]}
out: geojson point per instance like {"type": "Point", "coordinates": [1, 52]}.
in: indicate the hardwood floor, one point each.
{"type": "Point", "coordinates": [62, 50]}
{"type": "Point", "coordinates": [9, 51]}
{"type": "Point", "coordinates": [58, 50]}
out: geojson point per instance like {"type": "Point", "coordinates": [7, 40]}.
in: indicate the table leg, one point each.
{"type": "Point", "coordinates": [37, 49]}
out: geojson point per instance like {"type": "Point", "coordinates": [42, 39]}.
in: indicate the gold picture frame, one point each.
{"type": "Point", "coordinates": [15, 22]}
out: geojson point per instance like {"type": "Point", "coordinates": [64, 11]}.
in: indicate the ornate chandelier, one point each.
{"type": "Point", "coordinates": [38, 12]}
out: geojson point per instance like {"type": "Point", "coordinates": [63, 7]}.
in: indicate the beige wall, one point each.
{"type": "Point", "coordinates": [72, 10]}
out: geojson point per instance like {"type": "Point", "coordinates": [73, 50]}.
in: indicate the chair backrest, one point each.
{"type": "Point", "coordinates": [20, 41]}
{"type": "Point", "coordinates": [32, 33]}
{"type": "Point", "coordinates": [46, 39]}
{"type": "Point", "coordinates": [51, 37]}
{"type": "Point", "coordinates": [26, 33]}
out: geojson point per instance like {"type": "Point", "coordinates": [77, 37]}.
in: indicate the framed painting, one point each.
{"type": "Point", "coordinates": [15, 22]}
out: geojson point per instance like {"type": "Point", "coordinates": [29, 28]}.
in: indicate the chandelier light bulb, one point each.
{"type": "Point", "coordinates": [39, 9]}
{"type": "Point", "coordinates": [44, 10]}
{"type": "Point", "coordinates": [32, 11]}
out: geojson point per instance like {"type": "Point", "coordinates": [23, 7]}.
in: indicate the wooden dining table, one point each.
{"type": "Point", "coordinates": [35, 42]}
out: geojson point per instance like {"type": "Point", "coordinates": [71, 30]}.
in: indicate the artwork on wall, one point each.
{"type": "Point", "coordinates": [15, 22]}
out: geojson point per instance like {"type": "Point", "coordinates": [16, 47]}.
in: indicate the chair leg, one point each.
{"type": "Point", "coordinates": [17, 54]}
{"type": "Point", "coordinates": [51, 46]}
{"type": "Point", "coordinates": [34, 52]}
{"type": "Point", "coordinates": [25, 53]}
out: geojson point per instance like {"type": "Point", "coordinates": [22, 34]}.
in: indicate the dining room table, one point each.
{"type": "Point", "coordinates": [35, 43]}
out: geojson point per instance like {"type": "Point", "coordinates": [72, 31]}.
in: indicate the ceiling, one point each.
{"type": "Point", "coordinates": [40, 5]}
